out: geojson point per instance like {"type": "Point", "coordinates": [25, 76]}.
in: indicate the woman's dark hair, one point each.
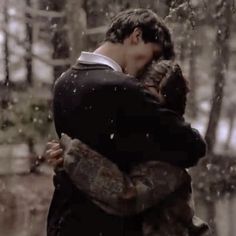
{"type": "Point", "coordinates": [153, 29]}
{"type": "Point", "coordinates": [170, 83]}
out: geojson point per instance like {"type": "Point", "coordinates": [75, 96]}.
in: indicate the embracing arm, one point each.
{"type": "Point", "coordinates": [101, 179]}
{"type": "Point", "coordinates": [170, 138]}
{"type": "Point", "coordinates": [139, 113]}
{"type": "Point", "coordinates": [180, 144]}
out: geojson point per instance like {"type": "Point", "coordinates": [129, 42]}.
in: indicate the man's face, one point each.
{"type": "Point", "coordinates": [139, 54]}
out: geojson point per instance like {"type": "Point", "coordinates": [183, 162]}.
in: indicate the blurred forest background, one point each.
{"type": "Point", "coordinates": [39, 39]}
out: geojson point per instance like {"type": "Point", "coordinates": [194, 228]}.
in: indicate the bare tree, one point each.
{"type": "Point", "coordinates": [231, 119]}
{"type": "Point", "coordinates": [59, 34]}
{"type": "Point", "coordinates": [29, 39]}
{"type": "Point", "coordinates": [6, 49]}
{"type": "Point", "coordinates": [211, 214]}
{"type": "Point", "coordinates": [221, 61]}
{"type": "Point", "coordinates": [193, 109]}
{"type": "Point", "coordinates": [5, 89]}
{"type": "Point", "coordinates": [76, 23]}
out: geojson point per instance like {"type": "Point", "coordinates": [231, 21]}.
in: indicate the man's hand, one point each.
{"type": "Point", "coordinates": [54, 153]}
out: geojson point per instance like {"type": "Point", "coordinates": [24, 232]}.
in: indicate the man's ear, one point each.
{"type": "Point", "coordinates": [136, 36]}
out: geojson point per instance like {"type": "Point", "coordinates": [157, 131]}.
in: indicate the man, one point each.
{"type": "Point", "coordinates": [103, 182]}
{"type": "Point", "coordinates": [98, 104]}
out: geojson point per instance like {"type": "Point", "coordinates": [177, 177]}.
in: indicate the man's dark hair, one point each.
{"type": "Point", "coordinates": [170, 83]}
{"type": "Point", "coordinates": [153, 29]}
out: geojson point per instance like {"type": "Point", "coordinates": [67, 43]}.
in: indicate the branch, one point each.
{"type": "Point", "coordinates": [182, 12]}
{"type": "Point", "coordinates": [43, 13]}
{"type": "Point", "coordinates": [52, 62]}
{"type": "Point", "coordinates": [96, 30]}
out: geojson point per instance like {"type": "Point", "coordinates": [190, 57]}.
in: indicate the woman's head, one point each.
{"type": "Point", "coordinates": [165, 79]}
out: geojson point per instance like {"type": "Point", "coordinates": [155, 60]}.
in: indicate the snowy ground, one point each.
{"type": "Point", "coordinates": [24, 201]}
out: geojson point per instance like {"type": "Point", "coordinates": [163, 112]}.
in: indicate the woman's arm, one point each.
{"type": "Point", "coordinates": [145, 186]}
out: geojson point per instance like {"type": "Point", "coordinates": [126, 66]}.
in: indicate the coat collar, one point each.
{"type": "Point", "coordinates": [95, 58]}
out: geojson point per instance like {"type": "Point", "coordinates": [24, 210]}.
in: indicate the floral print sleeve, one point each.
{"type": "Point", "coordinates": [117, 192]}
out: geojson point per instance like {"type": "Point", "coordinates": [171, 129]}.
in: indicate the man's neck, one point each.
{"type": "Point", "coordinates": [113, 51]}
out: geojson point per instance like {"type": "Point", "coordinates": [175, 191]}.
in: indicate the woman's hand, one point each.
{"type": "Point", "coordinates": [54, 153]}
{"type": "Point", "coordinates": [55, 149]}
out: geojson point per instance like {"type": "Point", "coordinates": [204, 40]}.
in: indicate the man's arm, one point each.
{"type": "Point", "coordinates": [138, 115]}
{"type": "Point", "coordinates": [101, 179]}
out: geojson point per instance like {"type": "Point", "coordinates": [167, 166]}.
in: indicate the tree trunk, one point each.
{"type": "Point", "coordinates": [29, 40]}
{"type": "Point", "coordinates": [178, 19]}
{"type": "Point", "coordinates": [231, 117]}
{"type": "Point", "coordinates": [193, 109]}
{"type": "Point", "coordinates": [231, 218]}
{"type": "Point", "coordinates": [59, 36]}
{"type": "Point", "coordinates": [163, 7]}
{"type": "Point", "coordinates": [32, 155]}
{"type": "Point", "coordinates": [182, 48]}
{"type": "Point", "coordinates": [6, 50]}
{"type": "Point", "coordinates": [220, 66]}
{"type": "Point", "coordinates": [77, 23]}
{"type": "Point", "coordinates": [5, 89]}
{"type": "Point", "coordinates": [211, 214]}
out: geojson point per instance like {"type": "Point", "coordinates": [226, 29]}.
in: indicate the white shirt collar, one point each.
{"type": "Point", "coordinates": [96, 58]}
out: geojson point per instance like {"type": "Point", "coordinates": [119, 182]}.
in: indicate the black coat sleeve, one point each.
{"type": "Point", "coordinates": [158, 133]}
{"type": "Point", "coordinates": [180, 144]}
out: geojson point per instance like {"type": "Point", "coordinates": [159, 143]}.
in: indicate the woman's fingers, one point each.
{"type": "Point", "coordinates": [54, 154]}
{"type": "Point", "coordinates": [53, 145]}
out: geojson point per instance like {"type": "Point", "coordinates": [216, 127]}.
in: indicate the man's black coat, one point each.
{"type": "Point", "coordinates": [111, 113]}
